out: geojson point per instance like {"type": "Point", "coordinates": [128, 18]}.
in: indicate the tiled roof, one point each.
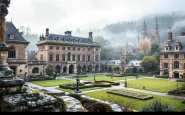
{"type": "Point", "coordinates": [173, 43]}
{"type": "Point", "coordinates": [134, 63]}
{"type": "Point", "coordinates": [11, 29]}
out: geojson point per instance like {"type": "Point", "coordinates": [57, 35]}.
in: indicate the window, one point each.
{"type": "Point", "coordinates": [74, 48]}
{"type": "Point", "coordinates": [51, 57]}
{"type": "Point", "coordinates": [35, 70]}
{"type": "Point", "coordinates": [11, 36]}
{"type": "Point", "coordinates": [69, 48]}
{"type": "Point", "coordinates": [41, 57]}
{"type": "Point", "coordinates": [63, 48]}
{"type": "Point", "coordinates": [96, 49]}
{"type": "Point", "coordinates": [176, 48]}
{"type": "Point", "coordinates": [69, 56]}
{"type": "Point", "coordinates": [89, 49]}
{"type": "Point", "coordinates": [165, 65]}
{"type": "Point", "coordinates": [11, 53]}
{"type": "Point", "coordinates": [78, 49]}
{"type": "Point", "coordinates": [57, 58]}
{"type": "Point", "coordinates": [165, 56]}
{"type": "Point", "coordinates": [166, 48]}
{"type": "Point", "coordinates": [89, 58]}
{"type": "Point", "coordinates": [83, 49]}
{"type": "Point", "coordinates": [78, 57]}
{"type": "Point", "coordinates": [51, 47]}
{"type": "Point", "coordinates": [63, 57]}
{"type": "Point", "coordinates": [73, 57]}
{"type": "Point", "coordinates": [57, 48]}
{"type": "Point", "coordinates": [96, 58]}
{"type": "Point", "coordinates": [176, 65]}
{"type": "Point", "coordinates": [83, 58]}
{"type": "Point", "coordinates": [176, 56]}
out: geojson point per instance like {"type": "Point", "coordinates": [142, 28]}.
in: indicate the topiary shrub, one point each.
{"type": "Point", "coordinates": [157, 106]}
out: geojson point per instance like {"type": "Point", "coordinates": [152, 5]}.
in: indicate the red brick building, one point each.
{"type": "Point", "coordinates": [69, 54]}
{"type": "Point", "coordinates": [172, 57]}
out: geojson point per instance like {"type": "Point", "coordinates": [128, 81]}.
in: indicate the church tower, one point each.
{"type": "Point", "coordinates": [144, 32]}
{"type": "Point", "coordinates": [156, 32]}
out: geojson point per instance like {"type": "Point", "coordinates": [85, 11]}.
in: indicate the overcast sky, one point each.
{"type": "Point", "coordinates": [61, 15]}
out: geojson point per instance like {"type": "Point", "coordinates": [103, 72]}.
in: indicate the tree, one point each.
{"type": "Point", "coordinates": [140, 70]}
{"type": "Point", "coordinates": [157, 106]}
{"type": "Point", "coordinates": [115, 68]}
{"type": "Point", "coordinates": [134, 70]}
{"type": "Point", "coordinates": [149, 63]}
{"type": "Point", "coordinates": [140, 56]}
{"type": "Point", "coordinates": [50, 70]}
{"type": "Point", "coordinates": [154, 48]}
{"type": "Point", "coordinates": [144, 47]}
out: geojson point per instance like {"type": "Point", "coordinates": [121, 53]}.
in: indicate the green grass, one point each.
{"type": "Point", "coordinates": [50, 83]}
{"type": "Point", "coordinates": [71, 91]}
{"type": "Point", "coordinates": [103, 95]}
{"type": "Point", "coordinates": [100, 77]}
{"type": "Point", "coordinates": [157, 85]}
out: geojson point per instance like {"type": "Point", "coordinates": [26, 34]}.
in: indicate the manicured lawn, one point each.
{"type": "Point", "coordinates": [103, 95]}
{"type": "Point", "coordinates": [100, 77]}
{"type": "Point", "coordinates": [71, 91]}
{"type": "Point", "coordinates": [50, 83]}
{"type": "Point", "coordinates": [158, 85]}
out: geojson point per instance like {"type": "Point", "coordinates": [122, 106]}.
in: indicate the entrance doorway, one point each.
{"type": "Point", "coordinates": [64, 70]}
{"type": "Point", "coordinates": [176, 75]}
{"type": "Point", "coordinates": [71, 69]}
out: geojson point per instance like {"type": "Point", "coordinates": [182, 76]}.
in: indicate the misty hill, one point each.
{"type": "Point", "coordinates": [176, 20]}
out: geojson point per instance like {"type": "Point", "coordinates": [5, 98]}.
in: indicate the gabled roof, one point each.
{"type": "Point", "coordinates": [11, 29]}
{"type": "Point", "coordinates": [173, 43]}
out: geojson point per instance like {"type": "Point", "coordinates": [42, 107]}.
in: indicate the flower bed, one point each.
{"type": "Point", "coordinates": [106, 83]}
{"type": "Point", "coordinates": [92, 105]}
{"type": "Point", "coordinates": [129, 94]}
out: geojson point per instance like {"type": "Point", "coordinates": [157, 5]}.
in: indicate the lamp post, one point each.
{"type": "Point", "coordinates": [77, 84]}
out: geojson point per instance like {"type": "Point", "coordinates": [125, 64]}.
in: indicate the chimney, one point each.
{"type": "Point", "coordinates": [170, 35]}
{"type": "Point", "coordinates": [21, 33]}
{"type": "Point", "coordinates": [91, 35]}
{"type": "Point", "coordinates": [68, 33]}
{"type": "Point", "coordinates": [182, 33]}
{"type": "Point", "coordinates": [47, 31]}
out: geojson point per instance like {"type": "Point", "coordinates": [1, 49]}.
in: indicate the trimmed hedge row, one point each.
{"type": "Point", "coordinates": [129, 74]}
{"type": "Point", "coordinates": [129, 94]}
{"type": "Point", "coordinates": [115, 75]}
{"type": "Point", "coordinates": [164, 76]}
{"type": "Point", "coordinates": [73, 86]}
{"type": "Point", "coordinates": [110, 82]}
{"type": "Point", "coordinates": [40, 79]}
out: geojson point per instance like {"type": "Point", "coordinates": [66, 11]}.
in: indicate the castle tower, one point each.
{"type": "Point", "coordinates": [156, 32]}
{"type": "Point", "coordinates": [144, 32]}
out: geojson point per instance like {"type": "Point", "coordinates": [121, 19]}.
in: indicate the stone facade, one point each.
{"type": "Point", "coordinates": [17, 56]}
{"type": "Point", "coordinates": [36, 68]}
{"type": "Point", "coordinates": [172, 57]}
{"type": "Point", "coordinates": [69, 54]}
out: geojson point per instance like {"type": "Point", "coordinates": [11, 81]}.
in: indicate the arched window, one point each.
{"type": "Point", "coordinates": [176, 65]}
{"type": "Point", "coordinates": [35, 70]}
{"type": "Point", "coordinates": [11, 53]}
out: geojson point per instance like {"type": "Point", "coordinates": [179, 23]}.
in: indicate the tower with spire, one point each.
{"type": "Point", "coordinates": [156, 32]}
{"type": "Point", "coordinates": [144, 32]}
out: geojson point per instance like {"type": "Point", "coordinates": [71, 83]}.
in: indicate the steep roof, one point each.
{"type": "Point", "coordinates": [173, 43]}
{"type": "Point", "coordinates": [11, 29]}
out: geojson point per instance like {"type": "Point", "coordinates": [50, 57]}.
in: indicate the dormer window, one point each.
{"type": "Point", "coordinates": [11, 36]}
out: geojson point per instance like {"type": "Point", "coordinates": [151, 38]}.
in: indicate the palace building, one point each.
{"type": "Point", "coordinates": [69, 54]}
{"type": "Point", "coordinates": [172, 57]}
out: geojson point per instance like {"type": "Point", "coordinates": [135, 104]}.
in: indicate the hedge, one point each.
{"type": "Point", "coordinates": [164, 76]}
{"type": "Point", "coordinates": [115, 75]}
{"type": "Point", "coordinates": [73, 86]}
{"type": "Point", "coordinates": [130, 74]}
{"type": "Point", "coordinates": [40, 79]}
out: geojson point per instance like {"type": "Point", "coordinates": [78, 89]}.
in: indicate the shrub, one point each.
{"type": "Point", "coordinates": [140, 70]}
{"type": "Point", "coordinates": [150, 72]}
{"type": "Point", "coordinates": [129, 74]}
{"type": "Point", "coordinates": [157, 106]}
{"type": "Point", "coordinates": [164, 76]}
{"type": "Point", "coordinates": [76, 96]}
